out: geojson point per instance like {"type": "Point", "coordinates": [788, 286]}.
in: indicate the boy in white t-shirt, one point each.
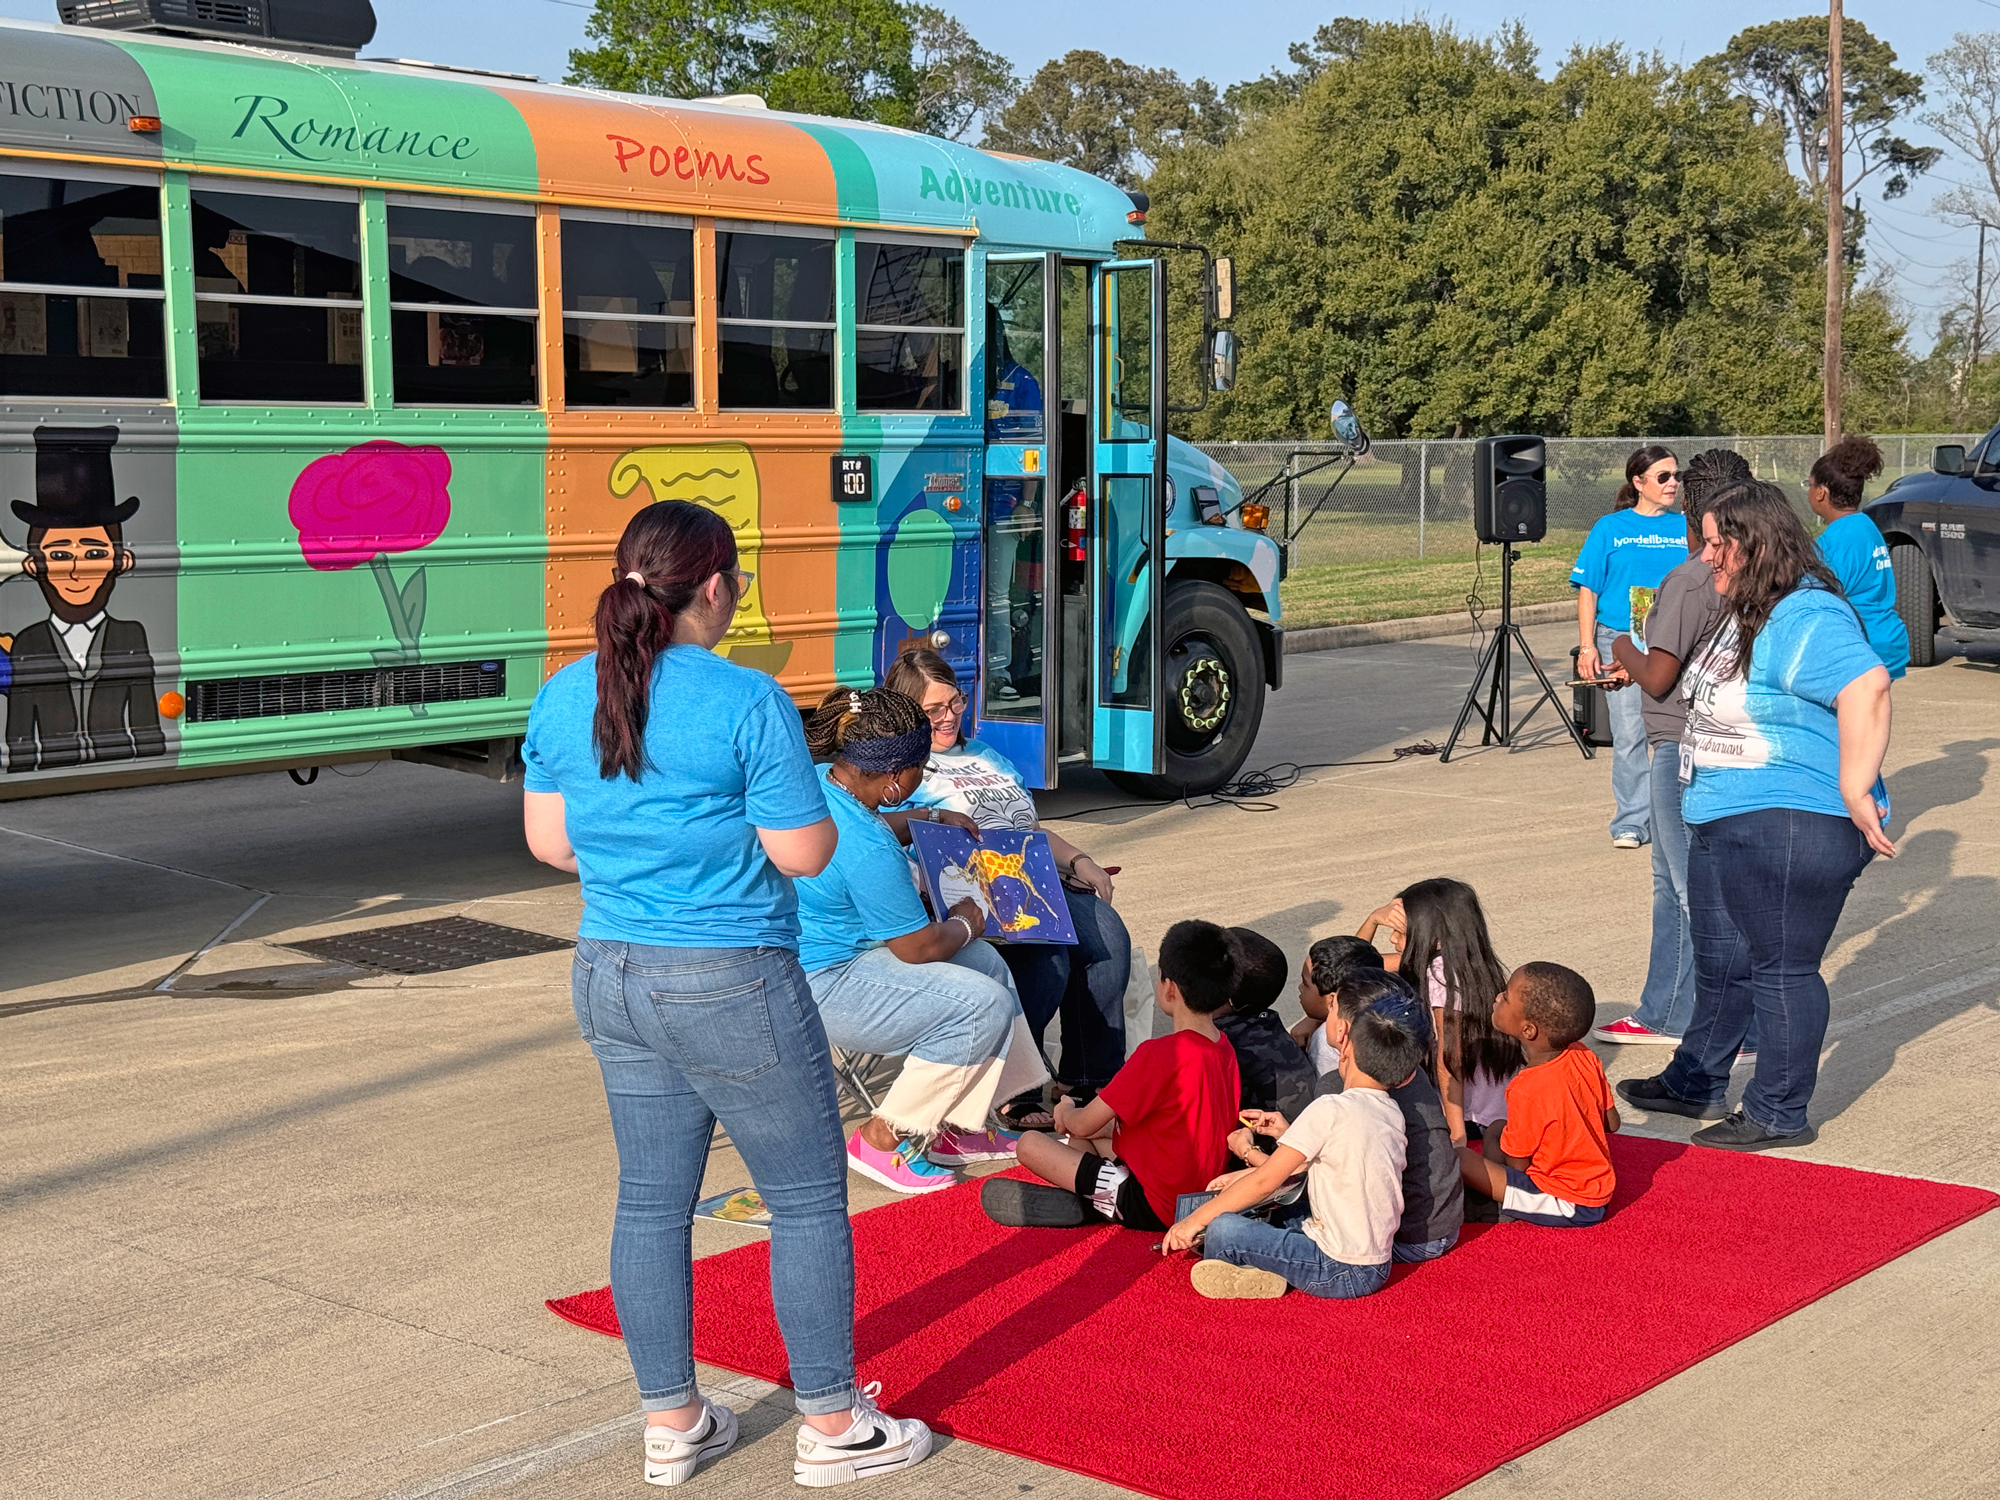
{"type": "Point", "coordinates": [1338, 1240]}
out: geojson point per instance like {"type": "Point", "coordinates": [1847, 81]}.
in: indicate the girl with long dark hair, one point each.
{"type": "Point", "coordinates": [1626, 555]}
{"type": "Point", "coordinates": [1439, 944]}
{"type": "Point", "coordinates": [890, 981]}
{"type": "Point", "coordinates": [678, 787]}
{"type": "Point", "coordinates": [1788, 723]}
{"type": "Point", "coordinates": [1853, 548]}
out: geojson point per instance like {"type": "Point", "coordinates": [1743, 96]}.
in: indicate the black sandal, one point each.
{"type": "Point", "coordinates": [1026, 1112]}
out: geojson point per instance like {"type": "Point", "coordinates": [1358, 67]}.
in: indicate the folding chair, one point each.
{"type": "Point", "coordinates": [855, 1072]}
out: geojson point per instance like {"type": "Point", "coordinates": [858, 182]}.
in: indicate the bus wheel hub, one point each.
{"type": "Point", "coordinates": [1205, 693]}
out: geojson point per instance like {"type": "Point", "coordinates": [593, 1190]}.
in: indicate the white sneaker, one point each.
{"type": "Point", "coordinates": [873, 1444]}
{"type": "Point", "coordinates": [1625, 841]}
{"type": "Point", "coordinates": [672, 1456]}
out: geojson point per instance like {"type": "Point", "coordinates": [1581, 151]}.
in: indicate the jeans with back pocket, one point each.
{"type": "Point", "coordinates": [1765, 890]}
{"type": "Point", "coordinates": [685, 1037]}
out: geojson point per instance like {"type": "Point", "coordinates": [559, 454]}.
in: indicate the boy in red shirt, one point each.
{"type": "Point", "coordinates": [1160, 1128]}
{"type": "Point", "coordinates": [1549, 1162]}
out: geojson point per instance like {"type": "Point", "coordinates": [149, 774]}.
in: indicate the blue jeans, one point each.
{"type": "Point", "coordinates": [1765, 889]}
{"type": "Point", "coordinates": [684, 1037]}
{"type": "Point", "coordinates": [1666, 1004]}
{"type": "Point", "coordinates": [1086, 983]}
{"type": "Point", "coordinates": [1287, 1249]}
{"type": "Point", "coordinates": [1420, 1251]}
{"type": "Point", "coordinates": [1630, 794]}
{"type": "Point", "coordinates": [958, 1012]}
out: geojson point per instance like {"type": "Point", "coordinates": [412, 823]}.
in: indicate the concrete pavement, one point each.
{"type": "Point", "coordinates": [286, 1228]}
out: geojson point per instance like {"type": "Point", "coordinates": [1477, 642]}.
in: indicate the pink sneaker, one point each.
{"type": "Point", "coordinates": [903, 1170]}
{"type": "Point", "coordinates": [955, 1148]}
{"type": "Point", "coordinates": [1629, 1030]}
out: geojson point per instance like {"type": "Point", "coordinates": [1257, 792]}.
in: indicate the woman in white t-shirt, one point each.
{"type": "Point", "coordinates": [1085, 981]}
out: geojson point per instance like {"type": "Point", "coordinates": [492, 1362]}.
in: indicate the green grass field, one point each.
{"type": "Point", "coordinates": [1363, 569]}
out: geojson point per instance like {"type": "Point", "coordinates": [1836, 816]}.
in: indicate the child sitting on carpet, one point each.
{"type": "Point", "coordinates": [1549, 1161]}
{"type": "Point", "coordinates": [1338, 1240]}
{"type": "Point", "coordinates": [1328, 962]}
{"type": "Point", "coordinates": [1273, 1067]}
{"type": "Point", "coordinates": [1433, 1194]}
{"type": "Point", "coordinates": [1159, 1128]}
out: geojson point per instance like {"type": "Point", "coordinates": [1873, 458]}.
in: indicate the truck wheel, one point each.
{"type": "Point", "coordinates": [1212, 697]}
{"type": "Point", "coordinates": [1916, 600]}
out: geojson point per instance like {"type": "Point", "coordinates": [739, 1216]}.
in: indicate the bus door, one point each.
{"type": "Point", "coordinates": [1126, 515]}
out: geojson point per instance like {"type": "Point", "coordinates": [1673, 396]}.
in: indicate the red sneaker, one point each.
{"type": "Point", "coordinates": [1629, 1030]}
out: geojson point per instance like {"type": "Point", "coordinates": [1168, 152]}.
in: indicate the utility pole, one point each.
{"type": "Point", "coordinates": [1836, 109]}
{"type": "Point", "coordinates": [1979, 298]}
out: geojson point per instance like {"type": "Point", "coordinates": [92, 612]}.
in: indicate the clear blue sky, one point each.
{"type": "Point", "coordinates": [1229, 42]}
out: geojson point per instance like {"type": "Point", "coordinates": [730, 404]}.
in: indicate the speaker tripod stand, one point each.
{"type": "Point", "coordinates": [1495, 675]}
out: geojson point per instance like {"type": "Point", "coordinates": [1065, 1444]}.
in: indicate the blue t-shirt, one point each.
{"type": "Point", "coordinates": [673, 860]}
{"type": "Point", "coordinates": [1854, 549]}
{"type": "Point", "coordinates": [1627, 551]}
{"type": "Point", "coordinates": [1772, 739]}
{"type": "Point", "coordinates": [864, 897]}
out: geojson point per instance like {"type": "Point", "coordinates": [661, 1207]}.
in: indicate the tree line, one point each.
{"type": "Point", "coordinates": [1427, 227]}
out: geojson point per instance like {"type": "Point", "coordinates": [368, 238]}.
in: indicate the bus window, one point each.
{"type": "Point", "coordinates": [774, 296]}
{"type": "Point", "coordinates": [106, 339]}
{"type": "Point", "coordinates": [628, 311]}
{"type": "Point", "coordinates": [462, 294]}
{"type": "Point", "coordinates": [277, 295]}
{"type": "Point", "coordinates": [1015, 352]}
{"type": "Point", "coordinates": [909, 343]}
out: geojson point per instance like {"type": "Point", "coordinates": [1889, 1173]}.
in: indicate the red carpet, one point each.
{"type": "Point", "coordinates": [1520, 1333]}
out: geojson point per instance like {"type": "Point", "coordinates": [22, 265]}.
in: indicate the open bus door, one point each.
{"type": "Point", "coordinates": [1127, 519]}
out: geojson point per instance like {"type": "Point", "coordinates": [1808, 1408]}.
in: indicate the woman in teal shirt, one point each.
{"type": "Point", "coordinates": [678, 788]}
{"type": "Point", "coordinates": [1634, 547]}
{"type": "Point", "coordinates": [1788, 722]}
{"type": "Point", "coordinates": [1853, 548]}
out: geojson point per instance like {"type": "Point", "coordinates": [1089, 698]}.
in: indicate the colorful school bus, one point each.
{"type": "Point", "coordinates": [326, 388]}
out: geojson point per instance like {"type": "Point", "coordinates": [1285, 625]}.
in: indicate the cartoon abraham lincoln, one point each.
{"type": "Point", "coordinates": [81, 686]}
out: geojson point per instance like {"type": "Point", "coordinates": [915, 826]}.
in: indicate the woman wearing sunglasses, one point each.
{"type": "Point", "coordinates": [1627, 555]}
{"type": "Point", "coordinates": [968, 780]}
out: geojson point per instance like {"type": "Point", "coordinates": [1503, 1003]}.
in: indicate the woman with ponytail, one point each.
{"type": "Point", "coordinates": [1629, 552]}
{"type": "Point", "coordinates": [889, 980]}
{"type": "Point", "coordinates": [1853, 548]}
{"type": "Point", "coordinates": [677, 786]}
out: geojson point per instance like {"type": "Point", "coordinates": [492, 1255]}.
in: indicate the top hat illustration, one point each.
{"type": "Point", "coordinates": [73, 485]}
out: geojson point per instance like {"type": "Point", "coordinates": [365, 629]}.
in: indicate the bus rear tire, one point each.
{"type": "Point", "coordinates": [1916, 600]}
{"type": "Point", "coordinates": [1213, 693]}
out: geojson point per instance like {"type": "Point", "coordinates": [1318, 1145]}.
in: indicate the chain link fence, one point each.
{"type": "Point", "coordinates": [1393, 536]}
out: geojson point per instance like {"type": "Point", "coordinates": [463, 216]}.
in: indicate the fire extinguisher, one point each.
{"type": "Point", "coordinates": [1078, 506]}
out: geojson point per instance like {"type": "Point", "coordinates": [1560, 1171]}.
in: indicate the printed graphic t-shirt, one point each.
{"type": "Point", "coordinates": [1555, 1122]}
{"type": "Point", "coordinates": [1772, 739]}
{"type": "Point", "coordinates": [1627, 551]}
{"type": "Point", "coordinates": [1854, 549]}
{"type": "Point", "coordinates": [1683, 619]}
{"type": "Point", "coordinates": [673, 859]}
{"type": "Point", "coordinates": [864, 897]}
{"type": "Point", "coordinates": [1175, 1099]}
{"type": "Point", "coordinates": [980, 782]}
{"type": "Point", "coordinates": [1354, 1148]}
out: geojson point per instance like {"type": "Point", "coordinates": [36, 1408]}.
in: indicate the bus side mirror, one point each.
{"type": "Point", "coordinates": [1948, 458]}
{"type": "Point", "coordinates": [1224, 290]}
{"type": "Point", "coordinates": [1222, 359]}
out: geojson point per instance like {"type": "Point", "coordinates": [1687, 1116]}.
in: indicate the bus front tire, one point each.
{"type": "Point", "coordinates": [1916, 600]}
{"type": "Point", "coordinates": [1213, 693]}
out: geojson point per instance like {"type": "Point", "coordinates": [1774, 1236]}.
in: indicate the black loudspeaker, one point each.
{"type": "Point", "coordinates": [1510, 501]}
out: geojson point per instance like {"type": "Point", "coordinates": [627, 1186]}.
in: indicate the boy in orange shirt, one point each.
{"type": "Point", "coordinates": [1549, 1162]}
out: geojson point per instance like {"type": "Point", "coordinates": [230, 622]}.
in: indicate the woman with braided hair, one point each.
{"type": "Point", "coordinates": [888, 979]}
{"type": "Point", "coordinates": [677, 786]}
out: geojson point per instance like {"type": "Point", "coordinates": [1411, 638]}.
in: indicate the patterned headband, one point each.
{"type": "Point", "coordinates": [890, 754]}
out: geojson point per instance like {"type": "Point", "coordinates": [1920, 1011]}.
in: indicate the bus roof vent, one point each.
{"type": "Point", "coordinates": [339, 27]}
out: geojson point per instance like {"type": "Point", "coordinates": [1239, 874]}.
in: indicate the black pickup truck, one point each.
{"type": "Point", "coordinates": [1943, 530]}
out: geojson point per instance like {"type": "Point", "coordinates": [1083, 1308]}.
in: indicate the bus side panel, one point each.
{"type": "Point", "coordinates": [85, 92]}
{"type": "Point", "coordinates": [277, 598]}
{"type": "Point", "coordinates": [92, 465]}
{"type": "Point", "coordinates": [773, 494]}
{"type": "Point", "coordinates": [923, 539]}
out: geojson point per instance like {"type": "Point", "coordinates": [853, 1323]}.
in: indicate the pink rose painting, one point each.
{"type": "Point", "coordinates": [359, 506]}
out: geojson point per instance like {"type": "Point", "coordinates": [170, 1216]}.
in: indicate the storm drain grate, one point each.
{"type": "Point", "coordinates": [429, 947]}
